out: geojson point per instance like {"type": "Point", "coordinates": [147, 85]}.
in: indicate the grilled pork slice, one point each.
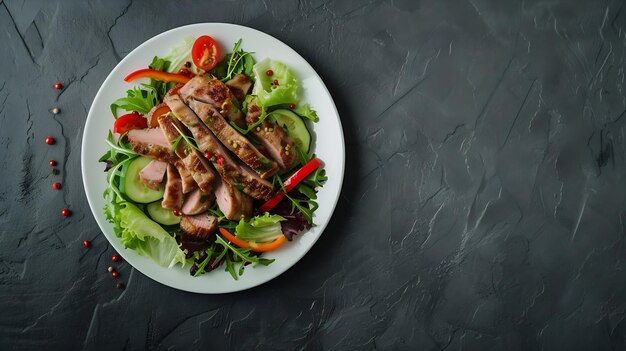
{"type": "Point", "coordinates": [151, 143]}
{"type": "Point", "coordinates": [279, 145]}
{"type": "Point", "coordinates": [198, 202]}
{"type": "Point", "coordinates": [201, 226]}
{"type": "Point", "coordinates": [235, 142]}
{"type": "Point", "coordinates": [240, 86]}
{"type": "Point", "coordinates": [188, 182]}
{"type": "Point", "coordinates": [232, 202]}
{"type": "Point", "coordinates": [239, 176]}
{"type": "Point", "coordinates": [152, 175]}
{"type": "Point", "coordinates": [173, 196]}
{"type": "Point", "coordinates": [196, 164]}
{"type": "Point", "coordinates": [217, 94]}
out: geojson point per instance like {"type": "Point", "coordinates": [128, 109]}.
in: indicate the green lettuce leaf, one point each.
{"type": "Point", "coordinates": [286, 92]}
{"type": "Point", "coordinates": [180, 54]}
{"type": "Point", "coordinates": [148, 238]}
{"type": "Point", "coordinates": [260, 228]}
{"type": "Point", "coordinates": [140, 233]}
{"type": "Point", "coordinates": [305, 111]}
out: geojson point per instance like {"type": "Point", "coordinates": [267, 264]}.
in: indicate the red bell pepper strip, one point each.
{"type": "Point", "coordinates": [256, 247]}
{"type": "Point", "coordinates": [129, 121]}
{"type": "Point", "coordinates": [157, 75]}
{"type": "Point", "coordinates": [291, 183]}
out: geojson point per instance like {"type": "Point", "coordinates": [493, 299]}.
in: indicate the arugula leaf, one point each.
{"type": "Point", "coordinates": [317, 178]}
{"type": "Point", "coordinates": [305, 206]}
{"type": "Point", "coordinates": [243, 256]}
{"type": "Point", "coordinates": [136, 99]}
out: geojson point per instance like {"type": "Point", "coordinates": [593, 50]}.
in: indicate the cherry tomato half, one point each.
{"type": "Point", "coordinates": [129, 121]}
{"type": "Point", "coordinates": [205, 53]}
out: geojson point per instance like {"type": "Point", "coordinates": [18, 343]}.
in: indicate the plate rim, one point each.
{"type": "Point", "coordinates": [84, 159]}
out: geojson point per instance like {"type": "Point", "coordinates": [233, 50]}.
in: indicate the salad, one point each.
{"type": "Point", "coordinates": [211, 164]}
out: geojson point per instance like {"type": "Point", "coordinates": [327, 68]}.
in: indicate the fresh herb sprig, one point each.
{"type": "Point", "coordinates": [306, 206]}
{"type": "Point", "coordinates": [238, 61]}
{"type": "Point", "coordinates": [241, 256]}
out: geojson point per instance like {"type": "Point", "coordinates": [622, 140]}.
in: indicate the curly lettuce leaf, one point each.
{"type": "Point", "coordinates": [140, 233]}
{"type": "Point", "coordinates": [305, 111]}
{"type": "Point", "coordinates": [180, 54]}
{"type": "Point", "coordinates": [260, 228]}
{"type": "Point", "coordinates": [268, 94]}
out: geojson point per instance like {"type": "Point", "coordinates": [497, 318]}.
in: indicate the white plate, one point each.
{"type": "Point", "coordinates": [329, 147]}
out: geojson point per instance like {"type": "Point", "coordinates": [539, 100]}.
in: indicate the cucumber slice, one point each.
{"type": "Point", "coordinates": [162, 215]}
{"type": "Point", "coordinates": [294, 126]}
{"type": "Point", "coordinates": [134, 189]}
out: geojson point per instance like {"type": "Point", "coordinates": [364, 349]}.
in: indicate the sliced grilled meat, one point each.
{"type": "Point", "coordinates": [151, 143]}
{"type": "Point", "coordinates": [196, 164]}
{"type": "Point", "coordinates": [240, 86]}
{"type": "Point", "coordinates": [198, 202]}
{"type": "Point", "coordinates": [188, 182]}
{"type": "Point", "coordinates": [235, 142]}
{"type": "Point", "coordinates": [217, 94]}
{"type": "Point", "coordinates": [201, 226]}
{"type": "Point", "coordinates": [152, 175]}
{"type": "Point", "coordinates": [173, 196]}
{"type": "Point", "coordinates": [279, 145]}
{"type": "Point", "coordinates": [237, 175]}
{"type": "Point", "coordinates": [232, 202]}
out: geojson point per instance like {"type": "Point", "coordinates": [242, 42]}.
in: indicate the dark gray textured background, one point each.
{"type": "Point", "coordinates": [483, 204]}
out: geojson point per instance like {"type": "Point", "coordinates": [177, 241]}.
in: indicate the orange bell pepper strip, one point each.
{"type": "Point", "coordinates": [264, 247]}
{"type": "Point", "coordinates": [154, 117]}
{"type": "Point", "coordinates": [233, 239]}
{"type": "Point", "coordinates": [256, 247]}
{"type": "Point", "coordinates": [157, 75]}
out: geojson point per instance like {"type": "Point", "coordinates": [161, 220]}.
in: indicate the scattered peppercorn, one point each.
{"type": "Point", "coordinates": [115, 258]}
{"type": "Point", "coordinates": [56, 111]}
{"type": "Point", "coordinates": [65, 212]}
{"type": "Point", "coordinates": [120, 286]}
{"type": "Point", "coordinates": [52, 163]}
{"type": "Point", "coordinates": [50, 140]}
{"type": "Point", "coordinates": [56, 185]}
{"type": "Point", "coordinates": [292, 106]}
{"type": "Point", "coordinates": [183, 71]}
{"type": "Point", "coordinates": [269, 72]}
{"type": "Point", "coordinates": [115, 274]}
{"type": "Point", "coordinates": [86, 244]}
{"type": "Point", "coordinates": [58, 86]}
{"type": "Point", "coordinates": [275, 81]}
{"type": "Point", "coordinates": [176, 213]}
{"type": "Point", "coordinates": [208, 155]}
